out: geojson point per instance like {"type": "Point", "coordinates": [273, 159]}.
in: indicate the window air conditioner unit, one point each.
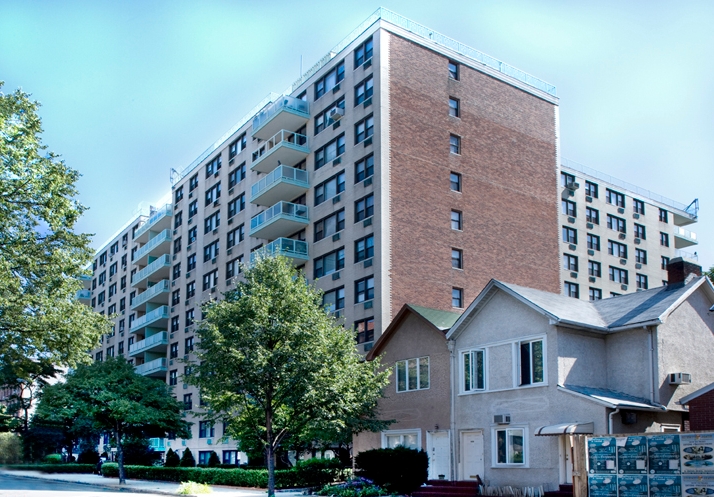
{"type": "Point", "coordinates": [680, 378]}
{"type": "Point", "coordinates": [336, 114]}
{"type": "Point", "coordinates": [502, 419]}
{"type": "Point", "coordinates": [572, 185]}
{"type": "Point", "coordinates": [622, 236]}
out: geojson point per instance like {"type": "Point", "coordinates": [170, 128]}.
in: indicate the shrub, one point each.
{"type": "Point", "coordinates": [187, 460]}
{"type": "Point", "coordinates": [213, 460]}
{"type": "Point", "coordinates": [399, 470]}
{"type": "Point", "coordinates": [172, 459]}
{"type": "Point", "coordinates": [317, 472]}
{"type": "Point", "coordinates": [191, 488]}
{"type": "Point", "coordinates": [53, 459]}
{"type": "Point", "coordinates": [10, 448]}
{"type": "Point", "coordinates": [355, 487]}
{"type": "Point", "coordinates": [88, 456]}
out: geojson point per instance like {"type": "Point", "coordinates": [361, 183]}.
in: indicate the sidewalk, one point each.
{"type": "Point", "coordinates": [142, 486]}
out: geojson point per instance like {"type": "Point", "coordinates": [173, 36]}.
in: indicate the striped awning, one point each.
{"type": "Point", "coordinates": [566, 429]}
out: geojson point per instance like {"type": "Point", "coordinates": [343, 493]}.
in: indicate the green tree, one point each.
{"type": "Point", "coordinates": [275, 364]}
{"type": "Point", "coordinates": [116, 400]}
{"type": "Point", "coordinates": [25, 378]}
{"type": "Point", "coordinates": [187, 460]}
{"type": "Point", "coordinates": [710, 273]}
{"type": "Point", "coordinates": [172, 459]}
{"type": "Point", "coordinates": [213, 460]}
{"type": "Point", "coordinates": [41, 257]}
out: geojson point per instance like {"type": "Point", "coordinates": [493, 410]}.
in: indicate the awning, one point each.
{"type": "Point", "coordinates": [566, 429]}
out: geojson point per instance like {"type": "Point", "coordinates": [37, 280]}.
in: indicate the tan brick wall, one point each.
{"type": "Point", "coordinates": [508, 164]}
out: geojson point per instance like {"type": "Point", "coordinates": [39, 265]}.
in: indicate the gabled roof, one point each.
{"type": "Point", "coordinates": [648, 307]}
{"type": "Point", "coordinates": [439, 321]}
{"type": "Point", "coordinates": [688, 398]}
{"type": "Point", "coordinates": [612, 398]}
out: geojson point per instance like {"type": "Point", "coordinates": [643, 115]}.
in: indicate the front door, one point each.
{"type": "Point", "coordinates": [437, 446]}
{"type": "Point", "coordinates": [566, 459]}
{"type": "Point", "coordinates": [471, 455]}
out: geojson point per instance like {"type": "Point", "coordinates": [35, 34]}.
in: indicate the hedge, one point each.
{"type": "Point", "coordinates": [54, 468]}
{"type": "Point", "coordinates": [298, 477]}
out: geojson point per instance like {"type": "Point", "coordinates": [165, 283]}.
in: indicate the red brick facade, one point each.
{"type": "Point", "coordinates": [701, 412]}
{"type": "Point", "coordinates": [509, 177]}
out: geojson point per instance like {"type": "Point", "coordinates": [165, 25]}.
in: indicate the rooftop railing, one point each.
{"type": "Point", "coordinates": [286, 102]}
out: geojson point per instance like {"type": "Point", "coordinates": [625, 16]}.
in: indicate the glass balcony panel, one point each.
{"type": "Point", "coordinates": [157, 294]}
{"type": "Point", "coordinates": [684, 238]}
{"type": "Point", "coordinates": [283, 182]}
{"type": "Point", "coordinates": [159, 269]}
{"type": "Point", "coordinates": [158, 221]}
{"type": "Point", "coordinates": [285, 113]}
{"type": "Point", "coordinates": [154, 343]}
{"type": "Point", "coordinates": [156, 368]}
{"type": "Point", "coordinates": [84, 294]}
{"type": "Point", "coordinates": [158, 318]}
{"type": "Point", "coordinates": [153, 247]}
{"type": "Point", "coordinates": [285, 147]}
{"type": "Point", "coordinates": [296, 250]}
{"type": "Point", "coordinates": [281, 219]}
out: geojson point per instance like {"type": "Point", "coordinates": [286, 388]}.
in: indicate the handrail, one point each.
{"type": "Point", "coordinates": [282, 136]}
{"type": "Point", "coordinates": [279, 247]}
{"type": "Point", "coordinates": [282, 207]}
{"type": "Point", "coordinates": [148, 366]}
{"type": "Point", "coordinates": [164, 236]}
{"type": "Point", "coordinates": [164, 211]}
{"type": "Point", "coordinates": [276, 175]}
{"type": "Point", "coordinates": [685, 233]}
{"type": "Point", "coordinates": [161, 312]}
{"type": "Point", "coordinates": [161, 261]}
{"type": "Point", "coordinates": [161, 286]}
{"type": "Point", "coordinates": [284, 102]}
{"type": "Point", "coordinates": [160, 337]}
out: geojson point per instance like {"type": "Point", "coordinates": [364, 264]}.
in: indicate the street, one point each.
{"type": "Point", "coordinates": [14, 486]}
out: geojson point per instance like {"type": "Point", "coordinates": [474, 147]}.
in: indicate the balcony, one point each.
{"type": "Point", "coordinates": [157, 294]}
{"type": "Point", "coordinates": [158, 269]}
{"type": "Point", "coordinates": [282, 183]}
{"type": "Point", "coordinates": [285, 113]}
{"type": "Point", "coordinates": [286, 147]}
{"type": "Point", "coordinates": [156, 246]}
{"type": "Point", "coordinates": [159, 221]}
{"type": "Point", "coordinates": [157, 444]}
{"type": "Point", "coordinates": [154, 343]}
{"type": "Point", "coordinates": [156, 368]}
{"type": "Point", "coordinates": [158, 318]}
{"type": "Point", "coordinates": [295, 250]}
{"type": "Point", "coordinates": [279, 220]}
{"type": "Point", "coordinates": [684, 238]}
{"type": "Point", "coordinates": [84, 294]}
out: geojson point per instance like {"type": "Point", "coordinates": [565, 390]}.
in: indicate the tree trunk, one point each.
{"type": "Point", "coordinates": [270, 452]}
{"type": "Point", "coordinates": [120, 457]}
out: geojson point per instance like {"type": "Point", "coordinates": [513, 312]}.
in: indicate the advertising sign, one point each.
{"type": "Point", "coordinates": [697, 485]}
{"type": "Point", "coordinates": [632, 455]}
{"type": "Point", "coordinates": [602, 485]}
{"type": "Point", "coordinates": [632, 486]}
{"type": "Point", "coordinates": [697, 451]}
{"type": "Point", "coordinates": [664, 454]}
{"type": "Point", "coordinates": [602, 455]}
{"type": "Point", "coordinates": [665, 485]}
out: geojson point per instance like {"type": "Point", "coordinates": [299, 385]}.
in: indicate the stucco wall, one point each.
{"type": "Point", "coordinates": [627, 363]}
{"type": "Point", "coordinates": [582, 359]}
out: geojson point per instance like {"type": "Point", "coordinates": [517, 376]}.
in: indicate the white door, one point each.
{"type": "Point", "coordinates": [437, 447]}
{"type": "Point", "coordinates": [566, 459]}
{"type": "Point", "coordinates": [472, 455]}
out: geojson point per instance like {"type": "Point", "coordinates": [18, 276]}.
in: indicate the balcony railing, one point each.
{"type": "Point", "coordinates": [285, 147]}
{"type": "Point", "coordinates": [293, 180]}
{"type": "Point", "coordinates": [164, 236]}
{"type": "Point", "coordinates": [684, 238]}
{"type": "Point", "coordinates": [286, 103]}
{"type": "Point", "coordinates": [152, 367]}
{"type": "Point", "coordinates": [294, 249]}
{"type": "Point", "coordinates": [161, 213]}
{"type": "Point", "coordinates": [163, 261]}
{"type": "Point", "coordinates": [150, 317]}
{"type": "Point", "coordinates": [84, 294]}
{"type": "Point", "coordinates": [161, 338]}
{"type": "Point", "coordinates": [282, 210]}
{"type": "Point", "coordinates": [687, 255]}
{"type": "Point", "coordinates": [162, 286]}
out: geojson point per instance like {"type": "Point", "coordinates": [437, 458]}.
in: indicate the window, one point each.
{"type": "Point", "coordinates": [103, 259]}
{"type": "Point", "coordinates": [210, 280]}
{"type": "Point", "coordinates": [192, 209]}
{"type": "Point", "coordinates": [455, 144]}
{"type": "Point", "coordinates": [592, 215]}
{"type": "Point", "coordinates": [236, 205]}
{"type": "Point", "coordinates": [230, 456]}
{"type": "Point", "coordinates": [235, 236]}
{"type": "Point", "coordinates": [176, 297]}
{"type": "Point", "coordinates": [187, 402]}
{"type": "Point", "coordinates": [364, 168]}
{"type": "Point", "coordinates": [123, 261]}
{"type": "Point", "coordinates": [455, 182]}
{"type": "Point", "coordinates": [638, 206]}
{"type": "Point", "coordinates": [237, 146]}
{"type": "Point", "coordinates": [641, 280]}
{"type": "Point", "coordinates": [456, 220]}
{"type": "Point", "coordinates": [188, 345]}
{"type": "Point", "coordinates": [98, 357]}
{"type": "Point", "coordinates": [191, 262]}
{"type": "Point", "coordinates": [364, 90]}
{"type": "Point", "coordinates": [192, 234]}
{"type": "Point", "coordinates": [330, 225]}
{"type": "Point", "coordinates": [122, 282]}
{"type": "Point", "coordinates": [364, 207]}
{"type": "Point", "coordinates": [510, 446]}
{"type": "Point", "coordinates": [595, 269]}
{"type": "Point", "coordinates": [594, 242]}
{"type": "Point", "coordinates": [617, 249]}
{"type": "Point", "coordinates": [566, 179]}
{"type": "Point", "coordinates": [454, 109]}
{"type": "Point", "coordinates": [189, 317]}
{"type": "Point", "coordinates": [454, 70]}
{"type": "Point", "coordinates": [177, 245]}
{"type": "Point", "coordinates": [173, 350]}
{"type": "Point", "coordinates": [572, 290]}
{"type": "Point", "coordinates": [473, 368]}
{"type": "Point", "coordinates": [122, 303]}
{"type": "Point", "coordinates": [641, 256]}
{"type": "Point", "coordinates": [190, 289]}
{"type": "Point", "coordinates": [173, 377]}
{"type": "Point", "coordinates": [102, 277]}
{"type": "Point", "coordinates": [570, 235]}
{"type": "Point", "coordinates": [330, 80]}
{"type": "Point", "coordinates": [568, 207]}
{"type": "Point", "coordinates": [664, 239]}
{"type": "Point", "coordinates": [531, 362]}
{"type": "Point", "coordinates": [206, 430]}
{"type": "Point", "coordinates": [663, 216]}
{"type": "Point", "coordinates": [112, 269]}
{"type": "Point", "coordinates": [595, 294]}
{"type": "Point", "coordinates": [176, 273]}
{"type": "Point", "coordinates": [212, 222]}
{"type": "Point", "coordinates": [175, 324]}
{"type": "Point", "coordinates": [457, 258]}
{"type": "Point", "coordinates": [364, 289]}
{"type": "Point", "coordinates": [614, 198]}
{"type": "Point", "coordinates": [236, 176]}
{"type": "Point", "coordinates": [364, 248]}
{"type": "Point", "coordinates": [323, 119]}
{"type": "Point", "coordinates": [329, 263]}
{"type": "Point", "coordinates": [665, 262]}
{"type": "Point", "coordinates": [570, 262]}
{"type": "Point", "coordinates": [112, 289]}
{"type": "Point", "coordinates": [330, 152]}
{"type": "Point", "coordinates": [457, 298]}
{"type": "Point", "coordinates": [591, 189]}
{"type": "Point", "coordinates": [364, 129]}
{"type": "Point", "coordinates": [640, 231]}
{"type": "Point", "coordinates": [210, 251]}
{"type": "Point", "coordinates": [110, 352]}
{"type": "Point", "coordinates": [120, 349]}
{"type": "Point", "coordinates": [616, 223]}
{"type": "Point", "coordinates": [363, 52]}
{"type": "Point", "coordinates": [365, 330]}
{"type": "Point", "coordinates": [618, 275]}
{"type": "Point", "coordinates": [334, 300]}
{"type": "Point", "coordinates": [412, 374]}
{"type": "Point", "coordinates": [178, 194]}
{"type": "Point", "coordinates": [213, 166]}
{"type": "Point", "coordinates": [233, 267]}
{"type": "Point", "coordinates": [213, 193]}
{"type": "Point", "coordinates": [329, 188]}
{"type": "Point", "coordinates": [410, 439]}
{"type": "Point", "coordinates": [193, 183]}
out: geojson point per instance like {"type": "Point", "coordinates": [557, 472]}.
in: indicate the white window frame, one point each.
{"type": "Point", "coordinates": [494, 447]}
{"type": "Point", "coordinates": [517, 362]}
{"type": "Point", "coordinates": [401, 433]}
{"type": "Point", "coordinates": [462, 373]}
{"type": "Point", "coordinates": [406, 366]}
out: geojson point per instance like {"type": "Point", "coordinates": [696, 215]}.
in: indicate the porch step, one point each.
{"type": "Point", "coordinates": [563, 491]}
{"type": "Point", "coordinates": [444, 488]}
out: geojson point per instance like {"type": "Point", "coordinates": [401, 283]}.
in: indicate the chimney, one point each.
{"type": "Point", "coordinates": [679, 269]}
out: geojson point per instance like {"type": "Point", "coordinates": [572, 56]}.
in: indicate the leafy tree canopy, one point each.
{"type": "Point", "coordinates": [275, 364]}
{"type": "Point", "coordinates": [41, 257]}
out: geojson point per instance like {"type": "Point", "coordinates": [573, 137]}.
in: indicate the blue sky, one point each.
{"type": "Point", "coordinates": [132, 89]}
